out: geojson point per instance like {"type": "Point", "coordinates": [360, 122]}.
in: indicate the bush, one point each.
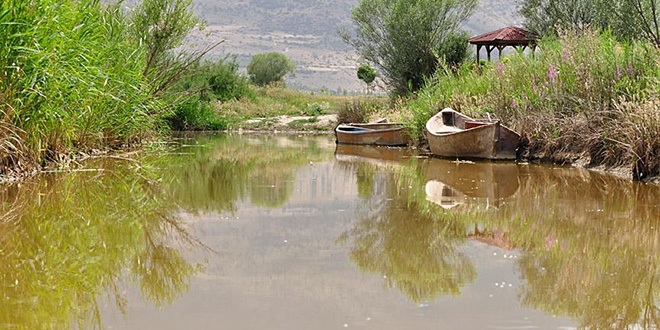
{"type": "Point", "coordinates": [269, 68]}
{"type": "Point", "coordinates": [356, 112]}
{"type": "Point", "coordinates": [195, 115]}
{"type": "Point", "coordinates": [215, 80]}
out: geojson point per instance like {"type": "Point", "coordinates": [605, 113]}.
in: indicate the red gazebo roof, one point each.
{"type": "Point", "coordinates": [509, 36]}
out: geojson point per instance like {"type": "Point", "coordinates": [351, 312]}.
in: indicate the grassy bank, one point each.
{"type": "Point", "coordinates": [583, 96]}
{"type": "Point", "coordinates": [265, 104]}
{"type": "Point", "coordinates": [70, 78]}
{"type": "Point", "coordinates": [82, 76]}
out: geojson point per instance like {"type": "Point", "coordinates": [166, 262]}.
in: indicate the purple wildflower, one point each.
{"type": "Point", "coordinates": [618, 72]}
{"type": "Point", "coordinates": [565, 54]}
{"type": "Point", "coordinates": [514, 104]}
{"type": "Point", "coordinates": [630, 70]}
{"type": "Point", "coordinates": [552, 74]}
{"type": "Point", "coordinates": [499, 68]}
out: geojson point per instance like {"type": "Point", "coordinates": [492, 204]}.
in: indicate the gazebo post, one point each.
{"type": "Point", "coordinates": [499, 51]}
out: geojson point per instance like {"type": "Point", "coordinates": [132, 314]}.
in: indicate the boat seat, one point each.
{"type": "Point", "coordinates": [448, 129]}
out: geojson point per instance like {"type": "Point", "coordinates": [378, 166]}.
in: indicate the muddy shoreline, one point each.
{"type": "Point", "coordinates": [324, 126]}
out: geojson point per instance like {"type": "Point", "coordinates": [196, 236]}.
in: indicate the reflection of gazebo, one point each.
{"type": "Point", "coordinates": [502, 38]}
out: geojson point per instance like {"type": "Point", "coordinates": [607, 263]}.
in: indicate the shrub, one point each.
{"type": "Point", "coordinates": [269, 68]}
{"type": "Point", "coordinates": [215, 80]}
{"type": "Point", "coordinates": [356, 111]}
{"type": "Point", "coordinates": [195, 115]}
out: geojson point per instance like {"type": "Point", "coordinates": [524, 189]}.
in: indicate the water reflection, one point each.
{"type": "Point", "coordinates": [587, 244]}
{"type": "Point", "coordinates": [216, 172]}
{"type": "Point", "coordinates": [451, 183]}
{"type": "Point", "coordinates": [407, 242]}
{"type": "Point", "coordinates": [589, 241]}
{"type": "Point", "coordinates": [68, 240]}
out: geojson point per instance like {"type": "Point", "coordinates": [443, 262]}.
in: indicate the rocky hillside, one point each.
{"type": "Point", "coordinates": [306, 30]}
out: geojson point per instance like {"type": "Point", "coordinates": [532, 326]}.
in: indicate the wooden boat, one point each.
{"type": "Point", "coordinates": [381, 134]}
{"type": "Point", "coordinates": [452, 134]}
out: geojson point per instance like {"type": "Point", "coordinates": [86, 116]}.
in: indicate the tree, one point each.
{"type": "Point", "coordinates": [367, 74]}
{"type": "Point", "coordinates": [545, 17]}
{"type": "Point", "coordinates": [403, 39]}
{"type": "Point", "coordinates": [161, 26]}
{"type": "Point", "coordinates": [268, 68]}
{"type": "Point", "coordinates": [646, 13]}
{"type": "Point", "coordinates": [627, 19]}
{"type": "Point", "coordinates": [455, 48]}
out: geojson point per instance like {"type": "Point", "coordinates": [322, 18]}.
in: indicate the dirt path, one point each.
{"type": "Point", "coordinates": [292, 123]}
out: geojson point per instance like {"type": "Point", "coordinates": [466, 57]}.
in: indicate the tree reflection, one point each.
{"type": "Point", "coordinates": [227, 169]}
{"type": "Point", "coordinates": [272, 189]}
{"type": "Point", "coordinates": [402, 239]}
{"type": "Point", "coordinates": [588, 241]}
{"type": "Point", "coordinates": [592, 253]}
{"type": "Point", "coordinates": [68, 239]}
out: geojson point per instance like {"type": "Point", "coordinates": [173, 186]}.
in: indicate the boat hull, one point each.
{"type": "Point", "coordinates": [485, 140]}
{"type": "Point", "coordinates": [380, 134]}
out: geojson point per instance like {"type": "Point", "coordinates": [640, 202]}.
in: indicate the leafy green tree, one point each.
{"type": "Point", "coordinates": [161, 26]}
{"type": "Point", "coordinates": [546, 16]}
{"type": "Point", "coordinates": [404, 39]}
{"type": "Point", "coordinates": [268, 68]}
{"type": "Point", "coordinates": [367, 74]}
{"type": "Point", "coordinates": [645, 14]}
{"type": "Point", "coordinates": [455, 48]}
{"type": "Point", "coordinates": [627, 19]}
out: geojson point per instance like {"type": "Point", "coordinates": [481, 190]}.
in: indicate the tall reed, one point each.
{"type": "Point", "coordinates": [71, 78]}
{"type": "Point", "coordinates": [582, 95]}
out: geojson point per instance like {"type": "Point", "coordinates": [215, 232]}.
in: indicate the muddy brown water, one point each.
{"type": "Point", "coordinates": [293, 232]}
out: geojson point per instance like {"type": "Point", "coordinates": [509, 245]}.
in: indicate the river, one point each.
{"type": "Point", "coordinates": [294, 232]}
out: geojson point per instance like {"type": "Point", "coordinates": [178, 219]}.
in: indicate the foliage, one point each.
{"type": "Point", "coordinates": [455, 49]}
{"type": "Point", "coordinates": [579, 96]}
{"type": "Point", "coordinates": [366, 73]}
{"type": "Point", "coordinates": [403, 39]}
{"type": "Point", "coordinates": [79, 75]}
{"type": "Point", "coordinates": [268, 68]}
{"type": "Point", "coordinates": [202, 86]}
{"type": "Point", "coordinates": [71, 77]}
{"type": "Point", "coordinates": [195, 115]}
{"type": "Point", "coordinates": [546, 16]}
{"type": "Point", "coordinates": [627, 19]}
{"type": "Point", "coordinates": [357, 111]}
{"type": "Point", "coordinates": [272, 101]}
{"type": "Point", "coordinates": [161, 26]}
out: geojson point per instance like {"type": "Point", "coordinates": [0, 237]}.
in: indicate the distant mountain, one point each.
{"type": "Point", "coordinates": [306, 30]}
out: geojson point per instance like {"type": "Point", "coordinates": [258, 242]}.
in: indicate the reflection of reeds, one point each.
{"type": "Point", "coordinates": [589, 242]}
{"type": "Point", "coordinates": [73, 236]}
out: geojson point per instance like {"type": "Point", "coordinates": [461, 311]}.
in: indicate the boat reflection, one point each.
{"type": "Point", "coordinates": [451, 183]}
{"type": "Point", "coordinates": [376, 155]}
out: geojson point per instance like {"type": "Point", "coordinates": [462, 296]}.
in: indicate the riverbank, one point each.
{"type": "Point", "coordinates": [325, 125]}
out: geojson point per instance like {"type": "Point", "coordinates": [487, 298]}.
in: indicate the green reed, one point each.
{"type": "Point", "coordinates": [581, 94]}
{"type": "Point", "coordinates": [71, 78]}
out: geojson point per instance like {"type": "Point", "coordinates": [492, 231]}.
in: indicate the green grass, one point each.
{"type": "Point", "coordinates": [273, 101]}
{"type": "Point", "coordinates": [583, 95]}
{"type": "Point", "coordinates": [71, 78]}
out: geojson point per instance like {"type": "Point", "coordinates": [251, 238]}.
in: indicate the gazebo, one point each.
{"type": "Point", "coordinates": [502, 38]}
